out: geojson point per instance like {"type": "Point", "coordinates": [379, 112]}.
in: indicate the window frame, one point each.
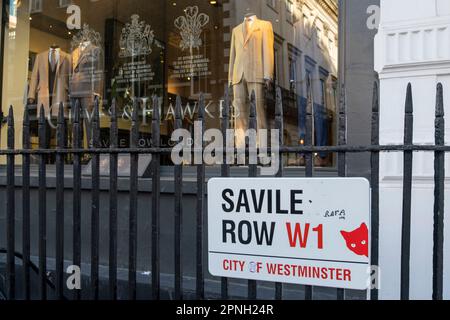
{"type": "Point", "coordinates": [40, 6]}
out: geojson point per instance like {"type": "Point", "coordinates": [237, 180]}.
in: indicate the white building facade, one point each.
{"type": "Point", "coordinates": [412, 46]}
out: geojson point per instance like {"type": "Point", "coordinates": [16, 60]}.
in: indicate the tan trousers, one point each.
{"type": "Point", "coordinates": [242, 93]}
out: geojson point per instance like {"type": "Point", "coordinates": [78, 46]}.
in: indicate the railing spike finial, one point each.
{"type": "Point", "coordinates": [61, 113]}
{"type": "Point", "coordinates": [155, 114]}
{"type": "Point", "coordinates": [114, 110]}
{"type": "Point", "coordinates": [134, 114]}
{"type": "Point", "coordinates": [76, 115]}
{"type": "Point", "coordinates": [376, 98]}
{"type": "Point", "coordinates": [253, 105]}
{"type": "Point", "coordinates": [439, 101]}
{"type": "Point", "coordinates": [201, 107]}
{"type": "Point", "coordinates": [226, 105]}
{"type": "Point", "coordinates": [409, 100]}
{"type": "Point", "coordinates": [11, 116]}
{"type": "Point", "coordinates": [178, 113]}
{"type": "Point", "coordinates": [279, 103]}
{"type": "Point", "coordinates": [26, 116]}
{"type": "Point", "coordinates": [42, 115]}
{"type": "Point", "coordinates": [343, 100]}
{"type": "Point", "coordinates": [134, 135]}
{"type": "Point", "coordinates": [96, 116]}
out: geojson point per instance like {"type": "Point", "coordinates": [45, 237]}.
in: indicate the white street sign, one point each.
{"type": "Point", "coordinates": [299, 231]}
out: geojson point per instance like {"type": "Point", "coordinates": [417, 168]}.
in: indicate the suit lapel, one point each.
{"type": "Point", "coordinates": [77, 56]}
{"type": "Point", "coordinates": [253, 28]}
{"type": "Point", "coordinates": [46, 65]}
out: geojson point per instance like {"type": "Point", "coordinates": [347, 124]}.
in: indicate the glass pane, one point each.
{"type": "Point", "coordinates": [131, 50]}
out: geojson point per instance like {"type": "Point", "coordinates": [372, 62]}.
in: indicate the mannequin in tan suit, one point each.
{"type": "Point", "coordinates": [251, 68]}
{"type": "Point", "coordinates": [49, 87]}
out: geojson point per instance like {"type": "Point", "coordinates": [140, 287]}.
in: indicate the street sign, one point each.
{"type": "Point", "coordinates": [299, 231]}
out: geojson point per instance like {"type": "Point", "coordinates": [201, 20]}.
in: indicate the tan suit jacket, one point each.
{"type": "Point", "coordinates": [39, 83]}
{"type": "Point", "coordinates": [252, 54]}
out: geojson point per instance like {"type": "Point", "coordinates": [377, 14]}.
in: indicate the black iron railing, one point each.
{"type": "Point", "coordinates": [95, 150]}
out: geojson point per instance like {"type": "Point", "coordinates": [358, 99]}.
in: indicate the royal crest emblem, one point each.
{"type": "Point", "coordinates": [86, 34]}
{"type": "Point", "coordinates": [137, 38]}
{"type": "Point", "coordinates": [191, 27]}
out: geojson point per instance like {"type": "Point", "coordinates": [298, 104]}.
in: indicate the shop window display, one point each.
{"type": "Point", "coordinates": [132, 50]}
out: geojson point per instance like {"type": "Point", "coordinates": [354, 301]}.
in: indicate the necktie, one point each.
{"type": "Point", "coordinates": [53, 59]}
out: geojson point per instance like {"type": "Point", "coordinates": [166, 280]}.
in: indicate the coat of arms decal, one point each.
{"type": "Point", "coordinates": [86, 34]}
{"type": "Point", "coordinates": [137, 38]}
{"type": "Point", "coordinates": [190, 26]}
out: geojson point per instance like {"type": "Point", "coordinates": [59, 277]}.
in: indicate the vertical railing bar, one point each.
{"type": "Point", "coordinates": [309, 162]}
{"type": "Point", "coordinates": [26, 209]}
{"type": "Point", "coordinates": [10, 209]}
{"type": "Point", "coordinates": [279, 125]}
{"type": "Point", "coordinates": [156, 175]}
{"type": "Point", "coordinates": [134, 162]}
{"type": "Point", "coordinates": [95, 204]}
{"type": "Point", "coordinates": [178, 211]}
{"type": "Point", "coordinates": [42, 206]}
{"type": "Point", "coordinates": [60, 137]}
{"type": "Point", "coordinates": [439, 182]}
{"type": "Point", "coordinates": [200, 286]}
{"type": "Point", "coordinates": [253, 172]}
{"type": "Point", "coordinates": [342, 157]}
{"type": "Point", "coordinates": [77, 137]}
{"type": "Point", "coordinates": [375, 190]}
{"type": "Point", "coordinates": [113, 193]}
{"type": "Point", "coordinates": [225, 168]}
{"type": "Point", "coordinates": [407, 191]}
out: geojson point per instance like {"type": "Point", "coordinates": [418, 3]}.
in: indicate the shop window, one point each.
{"type": "Point", "coordinates": [35, 6]}
{"type": "Point", "coordinates": [64, 3]}
{"type": "Point", "coordinates": [290, 13]}
{"type": "Point", "coordinates": [273, 4]}
{"type": "Point", "coordinates": [131, 51]}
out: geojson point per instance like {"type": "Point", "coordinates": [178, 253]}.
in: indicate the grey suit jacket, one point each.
{"type": "Point", "coordinates": [87, 74]}
{"type": "Point", "coordinates": [39, 83]}
{"type": "Point", "coordinates": [252, 54]}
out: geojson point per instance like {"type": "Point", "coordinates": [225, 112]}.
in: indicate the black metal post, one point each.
{"type": "Point", "coordinates": [95, 205]}
{"type": "Point", "coordinates": [134, 162]}
{"type": "Point", "coordinates": [178, 211]}
{"type": "Point", "coordinates": [407, 191]}
{"type": "Point", "coordinates": [253, 172]}
{"type": "Point", "coordinates": [375, 182]}
{"type": "Point", "coordinates": [200, 286]}
{"type": "Point", "coordinates": [26, 209]}
{"type": "Point", "coordinates": [439, 184]}
{"type": "Point", "coordinates": [113, 185]}
{"type": "Point", "coordinates": [225, 168]}
{"type": "Point", "coordinates": [279, 125]}
{"type": "Point", "coordinates": [60, 136]}
{"type": "Point", "coordinates": [156, 206]}
{"type": "Point", "coordinates": [42, 206]}
{"type": "Point", "coordinates": [342, 156]}
{"type": "Point", "coordinates": [11, 211]}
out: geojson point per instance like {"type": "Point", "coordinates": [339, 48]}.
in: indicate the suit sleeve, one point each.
{"type": "Point", "coordinates": [34, 81]}
{"type": "Point", "coordinates": [268, 52]}
{"type": "Point", "coordinates": [232, 58]}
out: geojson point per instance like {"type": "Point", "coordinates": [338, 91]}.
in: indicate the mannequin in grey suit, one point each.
{"type": "Point", "coordinates": [86, 82]}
